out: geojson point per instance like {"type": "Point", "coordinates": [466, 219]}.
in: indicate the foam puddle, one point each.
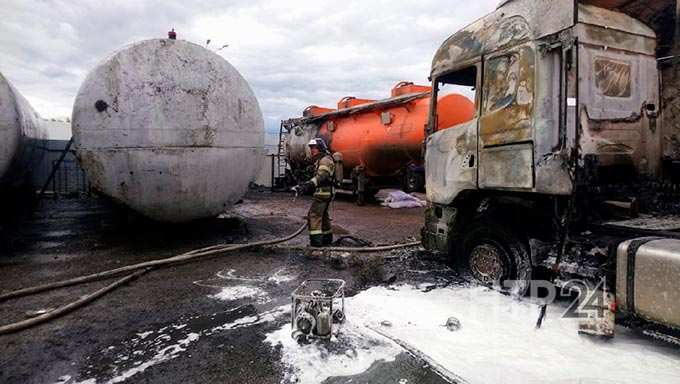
{"type": "Point", "coordinates": [349, 353]}
{"type": "Point", "coordinates": [498, 342]}
{"type": "Point", "coordinates": [228, 276]}
{"type": "Point", "coordinates": [248, 288]}
{"type": "Point", "coordinates": [281, 276]}
{"type": "Point", "coordinates": [242, 292]}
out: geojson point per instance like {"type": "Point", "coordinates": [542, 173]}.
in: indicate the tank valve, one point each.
{"type": "Point", "coordinates": [172, 35]}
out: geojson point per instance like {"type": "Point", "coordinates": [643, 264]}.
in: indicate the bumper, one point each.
{"type": "Point", "coordinates": [437, 234]}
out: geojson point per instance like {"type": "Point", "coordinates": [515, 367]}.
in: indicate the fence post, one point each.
{"type": "Point", "coordinates": [54, 169]}
{"type": "Point", "coordinates": [272, 185]}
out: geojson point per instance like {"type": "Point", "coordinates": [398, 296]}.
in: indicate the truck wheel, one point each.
{"type": "Point", "coordinates": [495, 256]}
{"type": "Point", "coordinates": [413, 181]}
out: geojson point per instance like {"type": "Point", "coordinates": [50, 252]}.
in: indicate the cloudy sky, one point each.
{"type": "Point", "coordinates": [294, 53]}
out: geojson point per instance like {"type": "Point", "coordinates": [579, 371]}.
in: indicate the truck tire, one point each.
{"type": "Point", "coordinates": [413, 181]}
{"type": "Point", "coordinates": [495, 256]}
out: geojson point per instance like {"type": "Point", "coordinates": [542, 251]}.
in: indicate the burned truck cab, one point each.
{"type": "Point", "coordinates": [566, 124]}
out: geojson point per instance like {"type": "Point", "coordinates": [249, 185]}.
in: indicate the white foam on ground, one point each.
{"type": "Point", "coordinates": [242, 292]}
{"type": "Point", "coordinates": [248, 321]}
{"type": "Point", "coordinates": [143, 335]}
{"type": "Point", "coordinates": [229, 275]}
{"type": "Point", "coordinates": [355, 349]}
{"type": "Point", "coordinates": [498, 341]}
{"type": "Point", "coordinates": [249, 287]}
{"type": "Point", "coordinates": [281, 276]}
{"type": "Point", "coordinates": [166, 349]}
{"type": "Point", "coordinates": [167, 353]}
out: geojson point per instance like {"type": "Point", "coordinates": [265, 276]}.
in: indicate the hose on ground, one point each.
{"type": "Point", "coordinates": [21, 325]}
{"type": "Point", "coordinates": [185, 257]}
{"type": "Point", "coordinates": [141, 268]}
{"type": "Point", "coordinates": [379, 248]}
{"type": "Point", "coordinates": [372, 249]}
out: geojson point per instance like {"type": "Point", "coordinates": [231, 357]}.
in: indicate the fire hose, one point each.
{"type": "Point", "coordinates": [141, 268]}
{"type": "Point", "coordinates": [21, 325]}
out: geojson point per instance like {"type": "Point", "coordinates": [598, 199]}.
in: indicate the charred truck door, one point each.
{"type": "Point", "coordinates": [506, 126]}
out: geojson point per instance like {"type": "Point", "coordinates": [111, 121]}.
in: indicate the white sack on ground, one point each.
{"type": "Point", "coordinates": [395, 198]}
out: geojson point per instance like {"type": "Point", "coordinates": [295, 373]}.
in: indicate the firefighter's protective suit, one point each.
{"type": "Point", "coordinates": [319, 221]}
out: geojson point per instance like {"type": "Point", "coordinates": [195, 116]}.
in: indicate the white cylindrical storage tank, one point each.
{"type": "Point", "coordinates": [170, 129]}
{"type": "Point", "coordinates": [20, 133]}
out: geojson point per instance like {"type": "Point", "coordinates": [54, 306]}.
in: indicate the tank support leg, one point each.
{"type": "Point", "coordinates": [361, 180]}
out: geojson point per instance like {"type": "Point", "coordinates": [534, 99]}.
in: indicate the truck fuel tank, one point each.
{"type": "Point", "coordinates": [648, 279]}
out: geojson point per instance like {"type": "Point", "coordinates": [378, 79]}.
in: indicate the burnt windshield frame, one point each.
{"type": "Point", "coordinates": [467, 76]}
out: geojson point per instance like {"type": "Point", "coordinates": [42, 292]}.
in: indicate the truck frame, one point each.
{"type": "Point", "coordinates": [569, 168]}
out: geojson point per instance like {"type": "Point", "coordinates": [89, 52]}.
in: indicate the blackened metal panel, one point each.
{"type": "Point", "coordinates": [511, 24]}
{"type": "Point", "coordinates": [553, 133]}
{"type": "Point", "coordinates": [644, 10]}
{"type": "Point", "coordinates": [670, 94]}
{"type": "Point", "coordinates": [506, 126]}
{"type": "Point", "coordinates": [451, 162]}
{"type": "Point", "coordinates": [507, 167]}
{"type": "Point", "coordinates": [619, 101]}
{"type": "Point", "coordinates": [612, 20]}
{"type": "Point", "coordinates": [615, 85]}
{"type": "Point", "coordinates": [613, 39]}
{"type": "Point", "coordinates": [508, 98]}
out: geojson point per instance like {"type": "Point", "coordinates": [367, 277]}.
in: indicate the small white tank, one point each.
{"type": "Point", "coordinates": [20, 132]}
{"type": "Point", "coordinates": [170, 129]}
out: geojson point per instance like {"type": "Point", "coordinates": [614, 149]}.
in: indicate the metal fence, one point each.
{"type": "Point", "coordinates": [69, 179]}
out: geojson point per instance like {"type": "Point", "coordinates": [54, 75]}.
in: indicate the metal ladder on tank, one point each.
{"type": "Point", "coordinates": [280, 164]}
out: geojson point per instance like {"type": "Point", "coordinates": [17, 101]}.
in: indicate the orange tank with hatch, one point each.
{"type": "Point", "coordinates": [386, 138]}
{"type": "Point", "coordinates": [314, 110]}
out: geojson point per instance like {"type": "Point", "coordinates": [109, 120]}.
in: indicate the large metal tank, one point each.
{"type": "Point", "coordinates": [170, 129]}
{"type": "Point", "coordinates": [382, 136]}
{"type": "Point", "coordinates": [20, 133]}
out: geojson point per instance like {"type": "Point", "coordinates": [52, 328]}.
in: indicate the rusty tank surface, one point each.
{"type": "Point", "coordinates": [20, 133]}
{"type": "Point", "coordinates": [379, 140]}
{"type": "Point", "coordinates": [169, 129]}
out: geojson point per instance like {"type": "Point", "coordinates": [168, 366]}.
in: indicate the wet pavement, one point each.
{"type": "Point", "coordinates": [206, 321]}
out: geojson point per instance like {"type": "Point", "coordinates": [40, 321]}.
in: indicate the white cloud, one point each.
{"type": "Point", "coordinates": [294, 53]}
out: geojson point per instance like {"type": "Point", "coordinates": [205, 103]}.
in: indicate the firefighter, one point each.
{"type": "Point", "coordinates": [323, 186]}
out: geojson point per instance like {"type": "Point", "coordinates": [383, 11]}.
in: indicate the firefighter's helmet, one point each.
{"type": "Point", "coordinates": [319, 143]}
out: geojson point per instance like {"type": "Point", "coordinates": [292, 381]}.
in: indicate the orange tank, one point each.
{"type": "Point", "coordinates": [314, 110]}
{"type": "Point", "coordinates": [387, 138]}
{"type": "Point", "coordinates": [351, 101]}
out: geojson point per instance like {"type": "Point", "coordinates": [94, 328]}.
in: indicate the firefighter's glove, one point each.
{"type": "Point", "coordinates": [296, 190]}
{"type": "Point", "coordinates": [303, 189]}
